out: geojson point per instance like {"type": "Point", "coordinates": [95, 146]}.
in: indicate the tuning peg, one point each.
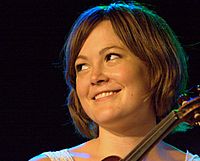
{"type": "Point", "coordinates": [197, 124]}
{"type": "Point", "coordinates": [189, 94]}
{"type": "Point", "coordinates": [183, 98]}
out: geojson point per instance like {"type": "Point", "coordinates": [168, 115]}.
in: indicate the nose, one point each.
{"type": "Point", "coordinates": [99, 76]}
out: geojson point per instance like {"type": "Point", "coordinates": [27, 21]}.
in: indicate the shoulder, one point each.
{"type": "Point", "coordinates": [40, 157]}
{"type": "Point", "coordinates": [53, 155]}
{"type": "Point", "coordinates": [85, 147]}
{"type": "Point", "coordinates": [174, 153]}
{"type": "Point", "coordinates": [192, 157]}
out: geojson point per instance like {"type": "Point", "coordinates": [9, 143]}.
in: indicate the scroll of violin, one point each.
{"type": "Point", "coordinates": [189, 112]}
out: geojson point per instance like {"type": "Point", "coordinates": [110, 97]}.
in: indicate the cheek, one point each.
{"type": "Point", "coordinates": [82, 87]}
{"type": "Point", "coordinates": [125, 74]}
{"type": "Point", "coordinates": [134, 76]}
{"type": "Point", "coordinates": [119, 73]}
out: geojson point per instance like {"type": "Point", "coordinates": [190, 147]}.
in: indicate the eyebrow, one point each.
{"type": "Point", "coordinates": [100, 52]}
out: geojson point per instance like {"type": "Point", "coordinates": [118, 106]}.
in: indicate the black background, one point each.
{"type": "Point", "coordinates": [32, 116]}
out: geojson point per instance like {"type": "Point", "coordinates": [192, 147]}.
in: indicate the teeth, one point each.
{"type": "Point", "coordinates": [104, 94]}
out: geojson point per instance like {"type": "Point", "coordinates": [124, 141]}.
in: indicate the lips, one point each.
{"type": "Point", "coordinates": [105, 94]}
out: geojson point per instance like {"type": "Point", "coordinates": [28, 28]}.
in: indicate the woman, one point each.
{"type": "Point", "coordinates": [117, 60]}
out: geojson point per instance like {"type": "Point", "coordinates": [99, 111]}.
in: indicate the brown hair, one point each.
{"type": "Point", "coordinates": [149, 37]}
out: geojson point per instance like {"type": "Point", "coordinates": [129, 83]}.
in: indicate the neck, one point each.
{"type": "Point", "coordinates": [120, 142]}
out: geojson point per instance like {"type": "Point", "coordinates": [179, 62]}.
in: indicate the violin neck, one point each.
{"type": "Point", "coordinates": [153, 137]}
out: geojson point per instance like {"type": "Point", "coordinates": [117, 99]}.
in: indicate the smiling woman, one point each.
{"type": "Point", "coordinates": [117, 60]}
{"type": "Point", "coordinates": [109, 79]}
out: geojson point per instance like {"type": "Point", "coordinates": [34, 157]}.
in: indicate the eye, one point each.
{"type": "Point", "coordinates": [81, 67]}
{"type": "Point", "coordinates": [112, 56]}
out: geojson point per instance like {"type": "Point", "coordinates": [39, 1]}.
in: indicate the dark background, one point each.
{"type": "Point", "coordinates": [32, 116]}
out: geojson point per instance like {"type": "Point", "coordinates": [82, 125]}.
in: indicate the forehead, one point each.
{"type": "Point", "coordinates": [101, 36]}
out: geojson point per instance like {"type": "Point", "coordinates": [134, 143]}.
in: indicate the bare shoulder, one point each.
{"type": "Point", "coordinates": [84, 151]}
{"type": "Point", "coordinates": [40, 157]}
{"type": "Point", "coordinates": [84, 147]}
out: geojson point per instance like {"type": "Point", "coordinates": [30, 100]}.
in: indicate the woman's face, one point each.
{"type": "Point", "coordinates": [111, 82]}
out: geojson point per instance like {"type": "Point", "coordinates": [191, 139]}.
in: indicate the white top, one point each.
{"type": "Point", "coordinates": [64, 155]}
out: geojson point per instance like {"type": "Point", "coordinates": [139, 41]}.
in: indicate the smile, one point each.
{"type": "Point", "coordinates": [105, 94]}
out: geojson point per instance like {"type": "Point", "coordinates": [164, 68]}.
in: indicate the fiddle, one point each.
{"type": "Point", "coordinates": [188, 112]}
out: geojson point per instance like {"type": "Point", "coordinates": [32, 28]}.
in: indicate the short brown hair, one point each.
{"type": "Point", "coordinates": [146, 35]}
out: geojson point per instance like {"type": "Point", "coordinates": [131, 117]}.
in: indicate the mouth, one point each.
{"type": "Point", "coordinates": [105, 94]}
